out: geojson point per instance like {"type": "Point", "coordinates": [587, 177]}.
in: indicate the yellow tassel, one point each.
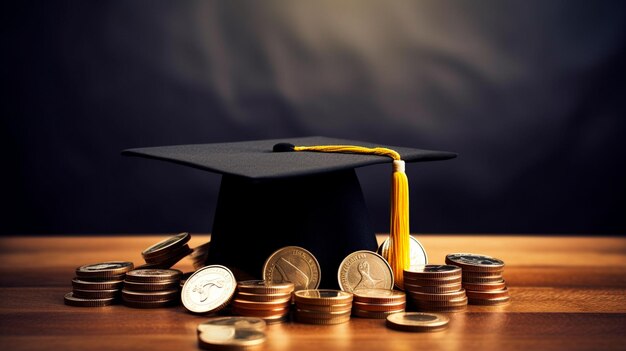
{"type": "Point", "coordinates": [398, 255]}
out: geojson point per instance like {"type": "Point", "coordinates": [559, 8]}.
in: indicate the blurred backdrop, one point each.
{"type": "Point", "coordinates": [531, 94]}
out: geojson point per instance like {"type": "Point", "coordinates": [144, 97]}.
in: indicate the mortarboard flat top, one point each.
{"type": "Point", "coordinates": [256, 160]}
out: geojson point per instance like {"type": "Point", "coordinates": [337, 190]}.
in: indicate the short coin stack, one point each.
{"type": "Point", "coordinates": [417, 322]}
{"type": "Point", "coordinates": [323, 306]}
{"type": "Point", "coordinates": [231, 333]}
{"type": "Point", "coordinates": [377, 303]}
{"type": "Point", "coordinates": [168, 252]}
{"type": "Point", "coordinates": [98, 284]}
{"type": "Point", "coordinates": [435, 288]}
{"type": "Point", "coordinates": [263, 299]}
{"type": "Point", "coordinates": [151, 288]}
{"type": "Point", "coordinates": [482, 278]}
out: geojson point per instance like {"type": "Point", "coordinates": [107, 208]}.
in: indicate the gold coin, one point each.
{"type": "Point", "coordinates": [229, 338]}
{"type": "Point", "coordinates": [265, 287]}
{"type": "Point", "coordinates": [416, 251]}
{"type": "Point", "coordinates": [293, 264]}
{"type": "Point", "coordinates": [431, 271]}
{"type": "Point", "coordinates": [264, 297]}
{"type": "Point", "coordinates": [255, 305]}
{"type": "Point", "coordinates": [364, 270]}
{"type": "Point", "coordinates": [71, 300]}
{"type": "Point", "coordinates": [417, 321]}
{"type": "Point", "coordinates": [475, 263]}
{"type": "Point", "coordinates": [233, 322]}
{"type": "Point", "coordinates": [438, 297]}
{"type": "Point", "coordinates": [379, 296]}
{"type": "Point", "coordinates": [374, 315]}
{"type": "Point", "coordinates": [128, 295]}
{"type": "Point", "coordinates": [209, 289]}
{"type": "Point", "coordinates": [96, 294]}
{"type": "Point", "coordinates": [433, 289]}
{"type": "Point", "coordinates": [107, 270]}
{"type": "Point", "coordinates": [78, 283]}
{"type": "Point", "coordinates": [167, 245]}
{"type": "Point", "coordinates": [485, 286]}
{"type": "Point", "coordinates": [322, 297]}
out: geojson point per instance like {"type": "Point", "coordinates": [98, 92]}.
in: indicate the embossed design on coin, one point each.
{"type": "Point", "coordinates": [209, 289]}
{"type": "Point", "coordinates": [364, 270]}
{"type": "Point", "coordinates": [475, 262]}
{"type": "Point", "coordinates": [416, 251]}
{"type": "Point", "coordinates": [293, 264]}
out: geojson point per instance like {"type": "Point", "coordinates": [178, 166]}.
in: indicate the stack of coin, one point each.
{"type": "Point", "coordinates": [417, 321]}
{"type": "Point", "coordinates": [168, 252]}
{"type": "Point", "coordinates": [263, 299]}
{"type": "Point", "coordinates": [435, 288]}
{"type": "Point", "coordinates": [151, 288]}
{"type": "Point", "coordinates": [323, 306]}
{"type": "Point", "coordinates": [482, 278]}
{"type": "Point", "coordinates": [200, 255]}
{"type": "Point", "coordinates": [377, 303]}
{"type": "Point", "coordinates": [98, 284]}
{"type": "Point", "coordinates": [231, 333]}
{"type": "Point", "coordinates": [208, 290]}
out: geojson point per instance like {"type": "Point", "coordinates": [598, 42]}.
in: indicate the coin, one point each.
{"type": "Point", "coordinates": [322, 297]}
{"type": "Point", "coordinates": [251, 323]}
{"type": "Point", "coordinates": [171, 243]}
{"type": "Point", "coordinates": [230, 338]}
{"type": "Point", "coordinates": [161, 286]}
{"type": "Point", "coordinates": [209, 289]}
{"type": "Point", "coordinates": [417, 321]}
{"type": "Point", "coordinates": [364, 269]}
{"type": "Point", "coordinates": [200, 255]}
{"type": "Point", "coordinates": [326, 308]}
{"type": "Point", "coordinates": [379, 296]}
{"type": "Point", "coordinates": [461, 301]}
{"type": "Point", "coordinates": [104, 269]}
{"type": "Point", "coordinates": [88, 285]}
{"type": "Point", "coordinates": [488, 294]}
{"type": "Point", "coordinates": [293, 264]}
{"type": "Point", "coordinates": [321, 314]}
{"type": "Point", "coordinates": [484, 286]}
{"type": "Point", "coordinates": [322, 321]}
{"type": "Point", "coordinates": [490, 302]}
{"type": "Point", "coordinates": [150, 304]}
{"type": "Point", "coordinates": [431, 271]}
{"type": "Point", "coordinates": [474, 262]}
{"type": "Point", "coordinates": [153, 275]}
{"type": "Point", "coordinates": [95, 294]}
{"type": "Point", "coordinates": [374, 314]}
{"type": "Point", "coordinates": [255, 305]}
{"type": "Point", "coordinates": [264, 297]}
{"type": "Point", "coordinates": [416, 251]}
{"type": "Point", "coordinates": [433, 289]}
{"type": "Point", "coordinates": [169, 255]}
{"type": "Point", "coordinates": [481, 280]}
{"type": "Point", "coordinates": [71, 300]}
{"type": "Point", "coordinates": [438, 296]}
{"type": "Point", "coordinates": [432, 281]}
{"type": "Point", "coordinates": [376, 307]}
{"type": "Point", "coordinates": [265, 287]}
{"type": "Point", "coordinates": [129, 295]}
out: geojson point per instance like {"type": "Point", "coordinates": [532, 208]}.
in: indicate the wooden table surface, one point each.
{"type": "Point", "coordinates": [567, 293]}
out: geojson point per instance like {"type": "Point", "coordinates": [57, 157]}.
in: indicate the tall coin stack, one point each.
{"type": "Point", "coordinates": [98, 284]}
{"type": "Point", "coordinates": [263, 299]}
{"type": "Point", "coordinates": [323, 306]}
{"type": "Point", "coordinates": [377, 303]}
{"type": "Point", "coordinates": [168, 252]}
{"type": "Point", "coordinates": [151, 288]}
{"type": "Point", "coordinates": [435, 288]}
{"type": "Point", "coordinates": [482, 278]}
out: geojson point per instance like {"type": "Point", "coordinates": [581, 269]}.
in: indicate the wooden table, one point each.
{"type": "Point", "coordinates": [567, 293]}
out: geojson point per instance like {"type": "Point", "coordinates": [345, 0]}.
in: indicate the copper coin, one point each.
{"type": "Point", "coordinates": [209, 289]}
{"type": "Point", "coordinates": [96, 294]}
{"type": "Point", "coordinates": [260, 313]}
{"type": "Point", "coordinates": [364, 269]}
{"type": "Point", "coordinates": [265, 287]}
{"type": "Point", "coordinates": [322, 321]}
{"type": "Point", "coordinates": [293, 264]}
{"type": "Point", "coordinates": [325, 308]}
{"type": "Point", "coordinates": [487, 294]}
{"type": "Point", "coordinates": [449, 303]}
{"type": "Point", "coordinates": [475, 262]}
{"type": "Point", "coordinates": [161, 286]}
{"type": "Point", "coordinates": [433, 289]}
{"type": "Point", "coordinates": [70, 300]}
{"type": "Point", "coordinates": [264, 297]}
{"type": "Point", "coordinates": [182, 251]}
{"type": "Point", "coordinates": [169, 244]}
{"type": "Point", "coordinates": [432, 281]}
{"type": "Point", "coordinates": [379, 307]}
{"type": "Point", "coordinates": [321, 315]}
{"type": "Point", "coordinates": [374, 315]}
{"type": "Point", "coordinates": [78, 283]}
{"type": "Point", "coordinates": [104, 270]}
{"type": "Point", "coordinates": [481, 280]}
{"type": "Point", "coordinates": [255, 305]}
{"type": "Point", "coordinates": [417, 321]}
{"type": "Point", "coordinates": [151, 304]}
{"type": "Point", "coordinates": [379, 296]}
{"type": "Point", "coordinates": [438, 297]}
{"type": "Point", "coordinates": [490, 302]}
{"type": "Point", "coordinates": [252, 323]}
{"type": "Point", "coordinates": [450, 309]}
{"type": "Point", "coordinates": [128, 295]}
{"type": "Point", "coordinates": [323, 297]}
{"type": "Point", "coordinates": [230, 339]}
{"type": "Point", "coordinates": [431, 271]}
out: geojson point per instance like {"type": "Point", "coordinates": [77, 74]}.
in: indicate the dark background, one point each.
{"type": "Point", "coordinates": [529, 93]}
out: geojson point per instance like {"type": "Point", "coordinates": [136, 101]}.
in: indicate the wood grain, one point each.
{"type": "Point", "coordinates": [567, 293]}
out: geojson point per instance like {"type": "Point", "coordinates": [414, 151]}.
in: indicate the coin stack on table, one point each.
{"type": "Point", "coordinates": [377, 303]}
{"type": "Point", "coordinates": [482, 278]}
{"type": "Point", "coordinates": [231, 333]}
{"type": "Point", "coordinates": [168, 252]}
{"type": "Point", "coordinates": [263, 299]}
{"type": "Point", "coordinates": [152, 288]}
{"type": "Point", "coordinates": [98, 284]}
{"type": "Point", "coordinates": [323, 306]}
{"type": "Point", "coordinates": [435, 288]}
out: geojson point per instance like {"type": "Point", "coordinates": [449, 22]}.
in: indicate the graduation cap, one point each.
{"type": "Point", "coordinates": [300, 192]}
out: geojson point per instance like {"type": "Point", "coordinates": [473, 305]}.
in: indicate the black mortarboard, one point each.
{"type": "Point", "coordinates": [270, 198]}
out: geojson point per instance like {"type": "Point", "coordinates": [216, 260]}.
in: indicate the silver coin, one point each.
{"type": "Point", "coordinates": [209, 289]}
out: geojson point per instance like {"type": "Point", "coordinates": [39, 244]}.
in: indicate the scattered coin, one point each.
{"type": "Point", "coordinates": [209, 289]}
{"type": "Point", "coordinates": [229, 338]}
{"type": "Point", "coordinates": [364, 270]}
{"type": "Point", "coordinates": [163, 247]}
{"type": "Point", "coordinates": [235, 322]}
{"type": "Point", "coordinates": [293, 264]}
{"type": "Point", "coordinates": [416, 251]}
{"type": "Point", "coordinates": [417, 321]}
